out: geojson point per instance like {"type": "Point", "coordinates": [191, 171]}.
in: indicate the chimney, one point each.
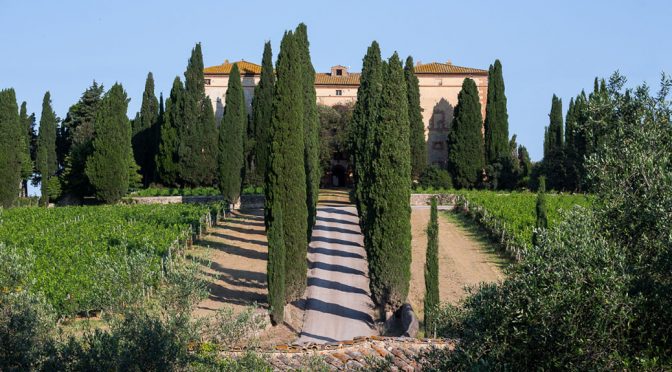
{"type": "Point", "coordinates": [449, 62]}
{"type": "Point", "coordinates": [418, 63]}
{"type": "Point", "coordinates": [226, 61]}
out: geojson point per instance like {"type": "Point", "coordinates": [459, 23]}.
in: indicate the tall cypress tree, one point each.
{"type": "Point", "coordinates": [555, 136]}
{"type": "Point", "coordinates": [310, 125]}
{"type": "Point", "coordinates": [232, 138]}
{"type": "Point", "coordinates": [496, 116]}
{"type": "Point", "coordinates": [432, 298]}
{"type": "Point", "coordinates": [365, 114]}
{"type": "Point", "coordinates": [276, 266]}
{"type": "Point", "coordinates": [262, 112]}
{"type": "Point", "coordinates": [145, 141]}
{"type": "Point", "coordinates": [465, 140]}
{"type": "Point", "coordinates": [27, 150]}
{"type": "Point", "coordinates": [10, 148]}
{"type": "Point", "coordinates": [554, 155]}
{"type": "Point", "coordinates": [47, 164]}
{"type": "Point", "coordinates": [167, 157]}
{"type": "Point", "coordinates": [540, 210]}
{"type": "Point", "coordinates": [417, 129]}
{"type": "Point", "coordinates": [109, 164]}
{"type": "Point", "coordinates": [388, 234]}
{"type": "Point", "coordinates": [287, 149]}
{"type": "Point", "coordinates": [197, 150]}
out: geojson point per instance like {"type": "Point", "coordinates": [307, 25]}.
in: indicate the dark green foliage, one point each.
{"type": "Point", "coordinates": [197, 132]}
{"type": "Point", "coordinates": [145, 133]}
{"type": "Point", "coordinates": [525, 162]}
{"type": "Point", "coordinates": [74, 143]}
{"type": "Point", "coordinates": [232, 138]}
{"type": "Point", "coordinates": [465, 141]}
{"type": "Point", "coordinates": [554, 152]}
{"type": "Point", "coordinates": [436, 177]}
{"type": "Point", "coordinates": [542, 221]}
{"type": "Point", "coordinates": [387, 231]}
{"type": "Point", "coordinates": [11, 144]}
{"type": "Point", "coordinates": [310, 125]}
{"type": "Point", "coordinates": [334, 127]}
{"type": "Point", "coordinates": [277, 251]}
{"type": "Point", "coordinates": [365, 115]}
{"type": "Point", "coordinates": [432, 299]}
{"type": "Point", "coordinates": [288, 187]}
{"type": "Point", "coordinates": [417, 129]}
{"type": "Point", "coordinates": [46, 161]}
{"type": "Point", "coordinates": [167, 158]}
{"type": "Point", "coordinates": [27, 147]}
{"type": "Point", "coordinates": [112, 157]}
{"type": "Point", "coordinates": [262, 112]}
{"type": "Point", "coordinates": [496, 117]}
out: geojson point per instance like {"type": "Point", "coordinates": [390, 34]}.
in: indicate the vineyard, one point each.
{"type": "Point", "coordinates": [510, 217]}
{"type": "Point", "coordinates": [94, 258]}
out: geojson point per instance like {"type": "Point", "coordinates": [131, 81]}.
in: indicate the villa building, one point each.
{"type": "Point", "coordinates": [440, 83]}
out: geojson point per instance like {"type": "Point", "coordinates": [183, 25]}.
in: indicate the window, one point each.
{"type": "Point", "coordinates": [437, 145]}
{"type": "Point", "coordinates": [339, 92]}
{"type": "Point", "coordinates": [207, 81]}
{"type": "Point", "coordinates": [339, 72]}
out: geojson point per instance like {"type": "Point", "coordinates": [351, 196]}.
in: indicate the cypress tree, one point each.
{"type": "Point", "coordinates": [554, 155]}
{"type": "Point", "coordinates": [432, 298]}
{"type": "Point", "coordinates": [231, 139]}
{"type": "Point", "coordinates": [167, 157]}
{"type": "Point", "coordinates": [109, 164]}
{"type": "Point", "coordinates": [365, 114]}
{"type": "Point", "coordinates": [262, 112]}
{"type": "Point", "coordinates": [47, 164]}
{"type": "Point", "coordinates": [388, 233]}
{"type": "Point", "coordinates": [496, 116]}
{"type": "Point", "coordinates": [525, 162]}
{"type": "Point", "coordinates": [197, 150]}
{"type": "Point", "coordinates": [465, 140]}
{"type": "Point", "coordinates": [10, 148]}
{"type": "Point", "coordinates": [540, 209]}
{"type": "Point", "coordinates": [145, 141]}
{"type": "Point", "coordinates": [28, 147]}
{"type": "Point", "coordinates": [288, 150]}
{"type": "Point", "coordinates": [555, 136]}
{"type": "Point", "coordinates": [276, 266]}
{"type": "Point", "coordinates": [311, 125]}
{"type": "Point", "coordinates": [417, 127]}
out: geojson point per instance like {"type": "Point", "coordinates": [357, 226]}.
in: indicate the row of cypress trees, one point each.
{"type": "Point", "coordinates": [291, 158]}
{"type": "Point", "coordinates": [432, 299]}
{"type": "Point", "coordinates": [567, 148]}
{"type": "Point", "coordinates": [381, 148]}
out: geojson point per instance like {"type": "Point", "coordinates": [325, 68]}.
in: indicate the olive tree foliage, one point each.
{"type": "Point", "coordinates": [595, 291]}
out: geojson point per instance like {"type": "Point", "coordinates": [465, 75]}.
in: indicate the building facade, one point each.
{"type": "Point", "coordinates": [440, 83]}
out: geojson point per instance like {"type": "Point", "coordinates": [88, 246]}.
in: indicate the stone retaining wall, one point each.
{"type": "Point", "coordinates": [426, 199]}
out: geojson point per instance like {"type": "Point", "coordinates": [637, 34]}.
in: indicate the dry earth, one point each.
{"type": "Point", "coordinates": [464, 260]}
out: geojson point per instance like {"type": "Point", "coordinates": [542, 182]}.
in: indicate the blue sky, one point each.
{"type": "Point", "coordinates": [545, 47]}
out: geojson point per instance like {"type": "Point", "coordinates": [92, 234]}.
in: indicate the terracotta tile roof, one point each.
{"type": "Point", "coordinates": [329, 79]}
{"type": "Point", "coordinates": [225, 68]}
{"type": "Point", "coordinates": [403, 353]}
{"type": "Point", "coordinates": [446, 68]}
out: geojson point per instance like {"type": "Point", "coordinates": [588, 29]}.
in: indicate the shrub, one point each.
{"type": "Point", "coordinates": [436, 177]}
{"type": "Point", "coordinates": [231, 329]}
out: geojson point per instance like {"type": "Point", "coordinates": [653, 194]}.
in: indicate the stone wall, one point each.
{"type": "Point", "coordinates": [426, 199]}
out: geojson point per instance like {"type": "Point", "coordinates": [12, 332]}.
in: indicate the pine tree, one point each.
{"type": "Point", "coordinates": [311, 125]}
{"type": "Point", "coordinates": [388, 232]}
{"type": "Point", "coordinates": [231, 139]}
{"type": "Point", "coordinates": [540, 209]}
{"type": "Point", "coordinates": [417, 129]}
{"type": "Point", "coordinates": [10, 148]}
{"type": "Point", "coordinates": [145, 140]}
{"type": "Point", "coordinates": [167, 157]}
{"type": "Point", "coordinates": [27, 150]}
{"type": "Point", "coordinates": [496, 116]}
{"type": "Point", "coordinates": [262, 112]}
{"type": "Point", "coordinates": [74, 142]}
{"type": "Point", "coordinates": [432, 299]}
{"type": "Point", "coordinates": [197, 150]}
{"type": "Point", "coordinates": [465, 140]}
{"type": "Point", "coordinates": [287, 149]}
{"type": "Point", "coordinates": [109, 164]}
{"type": "Point", "coordinates": [47, 163]}
{"type": "Point", "coordinates": [361, 144]}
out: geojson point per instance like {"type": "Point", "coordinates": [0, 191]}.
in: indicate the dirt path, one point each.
{"type": "Point", "coordinates": [463, 260]}
{"type": "Point", "coordinates": [338, 305]}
